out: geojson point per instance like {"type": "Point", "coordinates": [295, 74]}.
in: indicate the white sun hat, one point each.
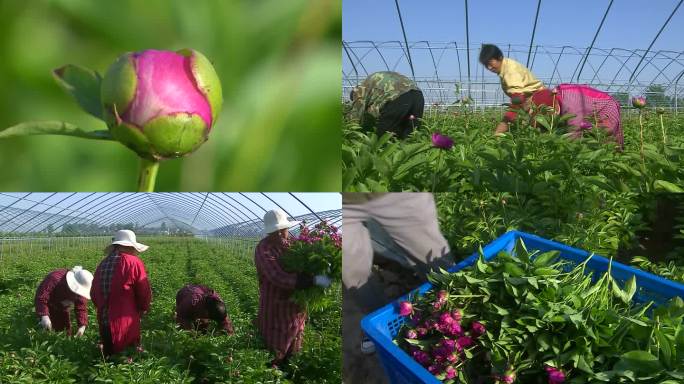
{"type": "Point", "coordinates": [126, 238]}
{"type": "Point", "coordinates": [275, 220]}
{"type": "Point", "coordinates": [79, 281]}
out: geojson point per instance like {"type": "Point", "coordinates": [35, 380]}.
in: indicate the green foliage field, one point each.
{"type": "Point", "coordinates": [584, 193]}
{"type": "Point", "coordinates": [523, 161]}
{"type": "Point", "coordinates": [28, 355]}
{"type": "Point", "coordinates": [278, 130]}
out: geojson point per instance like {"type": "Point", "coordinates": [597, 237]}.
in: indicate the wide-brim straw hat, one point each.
{"type": "Point", "coordinates": [79, 281]}
{"type": "Point", "coordinates": [127, 238]}
{"type": "Point", "coordinates": [276, 219]}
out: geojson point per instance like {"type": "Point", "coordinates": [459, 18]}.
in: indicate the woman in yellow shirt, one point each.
{"type": "Point", "coordinates": [522, 86]}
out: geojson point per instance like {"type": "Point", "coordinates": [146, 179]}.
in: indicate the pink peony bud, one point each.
{"type": "Point", "coordinates": [161, 104]}
{"type": "Point", "coordinates": [454, 329]}
{"type": "Point", "coordinates": [507, 378]}
{"type": "Point", "coordinates": [412, 117]}
{"type": "Point", "coordinates": [464, 342]}
{"type": "Point", "coordinates": [477, 328]}
{"type": "Point", "coordinates": [445, 319]}
{"type": "Point", "coordinates": [639, 102]}
{"type": "Point", "coordinates": [556, 376]}
{"type": "Point", "coordinates": [411, 334]}
{"type": "Point", "coordinates": [405, 308]}
{"type": "Point", "coordinates": [442, 141]}
{"type": "Point", "coordinates": [509, 116]}
{"type": "Point", "coordinates": [436, 369]}
{"type": "Point", "coordinates": [450, 372]}
{"type": "Point", "coordinates": [421, 357]}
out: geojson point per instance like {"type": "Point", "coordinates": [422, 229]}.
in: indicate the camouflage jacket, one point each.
{"type": "Point", "coordinates": [376, 90]}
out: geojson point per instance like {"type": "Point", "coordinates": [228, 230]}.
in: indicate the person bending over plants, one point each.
{"type": "Point", "coordinates": [121, 292]}
{"type": "Point", "coordinates": [390, 101]}
{"type": "Point", "coordinates": [61, 291]}
{"type": "Point", "coordinates": [590, 107]}
{"type": "Point", "coordinates": [197, 305]}
{"type": "Point", "coordinates": [280, 320]}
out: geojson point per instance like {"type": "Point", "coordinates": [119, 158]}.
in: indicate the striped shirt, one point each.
{"type": "Point", "coordinates": [280, 321]}
{"type": "Point", "coordinates": [108, 265]}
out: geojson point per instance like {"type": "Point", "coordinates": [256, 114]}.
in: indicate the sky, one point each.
{"type": "Point", "coordinates": [630, 24]}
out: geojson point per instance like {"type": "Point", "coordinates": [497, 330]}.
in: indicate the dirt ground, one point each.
{"type": "Point", "coordinates": [359, 368]}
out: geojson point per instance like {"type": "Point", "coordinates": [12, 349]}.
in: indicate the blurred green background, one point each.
{"type": "Point", "coordinates": [279, 65]}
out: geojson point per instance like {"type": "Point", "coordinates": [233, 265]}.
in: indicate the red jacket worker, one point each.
{"type": "Point", "coordinates": [196, 305]}
{"type": "Point", "coordinates": [60, 292]}
{"type": "Point", "coordinates": [121, 293]}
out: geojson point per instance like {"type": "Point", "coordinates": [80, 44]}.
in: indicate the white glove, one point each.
{"type": "Point", "coordinates": [80, 331]}
{"type": "Point", "coordinates": [46, 323]}
{"type": "Point", "coordinates": [322, 281]}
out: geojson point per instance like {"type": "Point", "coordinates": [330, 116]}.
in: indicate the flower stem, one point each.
{"type": "Point", "coordinates": [641, 135]}
{"type": "Point", "coordinates": [662, 126]}
{"type": "Point", "coordinates": [553, 112]}
{"type": "Point", "coordinates": [434, 176]}
{"type": "Point", "coordinates": [147, 175]}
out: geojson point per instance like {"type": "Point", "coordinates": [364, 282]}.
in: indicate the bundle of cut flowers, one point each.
{"type": "Point", "coordinates": [315, 251]}
{"type": "Point", "coordinates": [536, 318]}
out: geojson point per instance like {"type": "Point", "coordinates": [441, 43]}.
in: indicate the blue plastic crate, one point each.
{"type": "Point", "coordinates": [383, 325]}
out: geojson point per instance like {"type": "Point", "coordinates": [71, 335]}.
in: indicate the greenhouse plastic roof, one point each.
{"type": "Point", "coordinates": [214, 214]}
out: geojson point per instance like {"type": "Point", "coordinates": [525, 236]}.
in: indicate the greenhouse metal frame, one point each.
{"type": "Point", "coordinates": [445, 72]}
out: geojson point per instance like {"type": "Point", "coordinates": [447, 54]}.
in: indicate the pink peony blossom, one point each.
{"type": "Point", "coordinates": [411, 334]}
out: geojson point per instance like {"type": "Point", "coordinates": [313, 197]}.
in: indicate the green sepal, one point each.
{"type": "Point", "coordinates": [175, 135]}
{"type": "Point", "coordinates": [118, 88]}
{"type": "Point", "coordinates": [133, 138]}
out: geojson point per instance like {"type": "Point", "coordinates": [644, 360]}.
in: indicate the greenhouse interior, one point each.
{"type": "Point", "coordinates": [193, 238]}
